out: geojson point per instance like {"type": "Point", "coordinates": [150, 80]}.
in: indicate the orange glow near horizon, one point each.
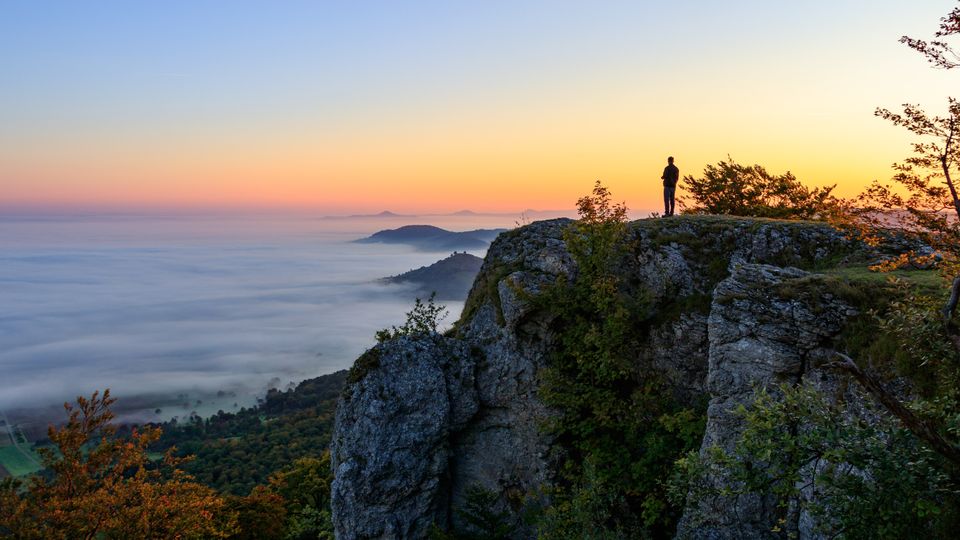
{"type": "Point", "coordinates": [503, 135]}
{"type": "Point", "coordinates": [442, 170]}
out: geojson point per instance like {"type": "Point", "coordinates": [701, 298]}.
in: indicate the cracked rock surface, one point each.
{"type": "Point", "coordinates": [427, 418]}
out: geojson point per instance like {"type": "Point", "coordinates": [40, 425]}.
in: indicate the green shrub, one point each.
{"type": "Point", "coordinates": [618, 424]}
{"type": "Point", "coordinates": [423, 319]}
{"type": "Point", "coordinates": [859, 479]}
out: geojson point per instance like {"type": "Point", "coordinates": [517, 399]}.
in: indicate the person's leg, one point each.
{"type": "Point", "coordinates": [666, 201]}
{"type": "Point", "coordinates": [673, 195]}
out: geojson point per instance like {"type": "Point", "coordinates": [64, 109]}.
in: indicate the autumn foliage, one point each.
{"type": "Point", "coordinates": [103, 486]}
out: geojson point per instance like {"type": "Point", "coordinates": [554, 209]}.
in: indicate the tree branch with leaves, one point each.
{"type": "Point", "coordinates": [103, 486]}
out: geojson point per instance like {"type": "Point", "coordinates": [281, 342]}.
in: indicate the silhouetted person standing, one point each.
{"type": "Point", "coordinates": [671, 175]}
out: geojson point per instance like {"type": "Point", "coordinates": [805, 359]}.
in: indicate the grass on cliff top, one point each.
{"type": "Point", "coordinates": [923, 282]}
{"type": "Point", "coordinates": [721, 220]}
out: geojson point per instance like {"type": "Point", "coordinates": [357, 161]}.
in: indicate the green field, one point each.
{"type": "Point", "coordinates": [16, 463]}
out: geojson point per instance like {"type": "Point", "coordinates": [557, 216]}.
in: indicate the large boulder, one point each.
{"type": "Point", "coordinates": [767, 326]}
{"type": "Point", "coordinates": [391, 449]}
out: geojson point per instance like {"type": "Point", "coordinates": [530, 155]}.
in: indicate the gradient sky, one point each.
{"type": "Point", "coordinates": [438, 106]}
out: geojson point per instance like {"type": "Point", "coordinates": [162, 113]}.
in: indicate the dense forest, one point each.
{"type": "Point", "coordinates": [263, 472]}
{"type": "Point", "coordinates": [236, 451]}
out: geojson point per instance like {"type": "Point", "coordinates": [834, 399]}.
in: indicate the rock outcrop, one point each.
{"type": "Point", "coordinates": [762, 333]}
{"type": "Point", "coordinates": [426, 419]}
{"type": "Point", "coordinates": [392, 460]}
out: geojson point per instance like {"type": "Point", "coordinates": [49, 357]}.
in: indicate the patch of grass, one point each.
{"type": "Point", "coordinates": [18, 464]}
{"type": "Point", "coordinates": [722, 220]}
{"type": "Point", "coordinates": [363, 365]}
{"type": "Point", "coordinates": [485, 288]}
{"type": "Point", "coordinates": [923, 282]}
{"type": "Point", "coordinates": [814, 287]}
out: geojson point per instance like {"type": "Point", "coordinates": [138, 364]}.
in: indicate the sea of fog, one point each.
{"type": "Point", "coordinates": [180, 314]}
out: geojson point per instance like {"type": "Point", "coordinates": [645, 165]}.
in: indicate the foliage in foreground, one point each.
{"type": "Point", "coordinates": [619, 427]}
{"type": "Point", "coordinates": [101, 486]}
{"type": "Point", "coordinates": [805, 453]}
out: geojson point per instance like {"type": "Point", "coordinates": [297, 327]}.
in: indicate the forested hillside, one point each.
{"type": "Point", "coordinates": [237, 451]}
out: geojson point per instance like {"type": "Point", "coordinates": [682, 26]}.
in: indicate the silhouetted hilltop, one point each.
{"type": "Point", "coordinates": [384, 214]}
{"type": "Point", "coordinates": [450, 278]}
{"type": "Point", "coordinates": [430, 238]}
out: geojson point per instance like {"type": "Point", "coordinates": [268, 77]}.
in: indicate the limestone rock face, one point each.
{"type": "Point", "coordinates": [391, 452]}
{"type": "Point", "coordinates": [427, 419]}
{"type": "Point", "coordinates": [762, 333]}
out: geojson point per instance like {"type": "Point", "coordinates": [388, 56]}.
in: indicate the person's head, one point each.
{"type": "Point", "coordinates": [670, 160]}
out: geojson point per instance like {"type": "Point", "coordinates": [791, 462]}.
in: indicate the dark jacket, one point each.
{"type": "Point", "coordinates": [671, 175]}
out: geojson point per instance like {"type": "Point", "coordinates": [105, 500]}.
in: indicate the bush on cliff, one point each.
{"type": "Point", "coordinates": [811, 454]}
{"type": "Point", "coordinates": [618, 425]}
{"type": "Point", "coordinates": [730, 188]}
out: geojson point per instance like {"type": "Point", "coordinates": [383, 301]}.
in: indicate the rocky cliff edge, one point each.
{"type": "Point", "coordinates": [740, 304]}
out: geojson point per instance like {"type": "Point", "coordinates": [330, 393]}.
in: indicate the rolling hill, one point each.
{"type": "Point", "coordinates": [430, 238]}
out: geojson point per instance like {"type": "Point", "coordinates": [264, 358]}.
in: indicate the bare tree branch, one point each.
{"type": "Point", "coordinates": [923, 429]}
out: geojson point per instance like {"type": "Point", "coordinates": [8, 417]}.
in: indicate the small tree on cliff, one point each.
{"type": "Point", "coordinates": [926, 205]}
{"type": "Point", "coordinates": [101, 486]}
{"type": "Point", "coordinates": [730, 188]}
{"type": "Point", "coordinates": [929, 209]}
{"type": "Point", "coordinates": [618, 423]}
{"type": "Point", "coordinates": [422, 320]}
{"type": "Point", "coordinates": [929, 175]}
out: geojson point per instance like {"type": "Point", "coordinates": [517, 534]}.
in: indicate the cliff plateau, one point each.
{"type": "Point", "coordinates": [738, 304]}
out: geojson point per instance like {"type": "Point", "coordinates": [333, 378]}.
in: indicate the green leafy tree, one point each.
{"type": "Point", "coordinates": [305, 487]}
{"type": "Point", "coordinates": [859, 480]}
{"type": "Point", "coordinates": [733, 189]}
{"type": "Point", "coordinates": [481, 518]}
{"type": "Point", "coordinates": [261, 515]}
{"type": "Point", "coordinates": [618, 424]}
{"type": "Point", "coordinates": [422, 320]}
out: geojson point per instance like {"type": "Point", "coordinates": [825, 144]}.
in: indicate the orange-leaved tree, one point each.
{"type": "Point", "coordinates": [103, 486]}
{"type": "Point", "coordinates": [924, 202]}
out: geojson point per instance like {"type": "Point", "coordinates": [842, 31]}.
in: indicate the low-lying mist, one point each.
{"type": "Point", "coordinates": [190, 314]}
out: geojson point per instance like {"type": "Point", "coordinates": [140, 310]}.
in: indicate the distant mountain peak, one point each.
{"type": "Point", "coordinates": [383, 214]}
{"type": "Point", "coordinates": [430, 238]}
{"type": "Point", "coordinates": [450, 277]}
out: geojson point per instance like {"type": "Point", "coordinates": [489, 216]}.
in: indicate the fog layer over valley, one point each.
{"type": "Point", "coordinates": [169, 311]}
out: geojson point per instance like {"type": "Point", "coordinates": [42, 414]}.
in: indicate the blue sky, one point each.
{"type": "Point", "coordinates": [180, 97]}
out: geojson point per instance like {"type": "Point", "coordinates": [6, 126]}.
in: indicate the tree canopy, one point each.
{"type": "Point", "coordinates": [749, 190]}
{"type": "Point", "coordinates": [102, 486]}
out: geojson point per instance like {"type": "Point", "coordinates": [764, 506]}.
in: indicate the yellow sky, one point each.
{"type": "Point", "coordinates": [484, 127]}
